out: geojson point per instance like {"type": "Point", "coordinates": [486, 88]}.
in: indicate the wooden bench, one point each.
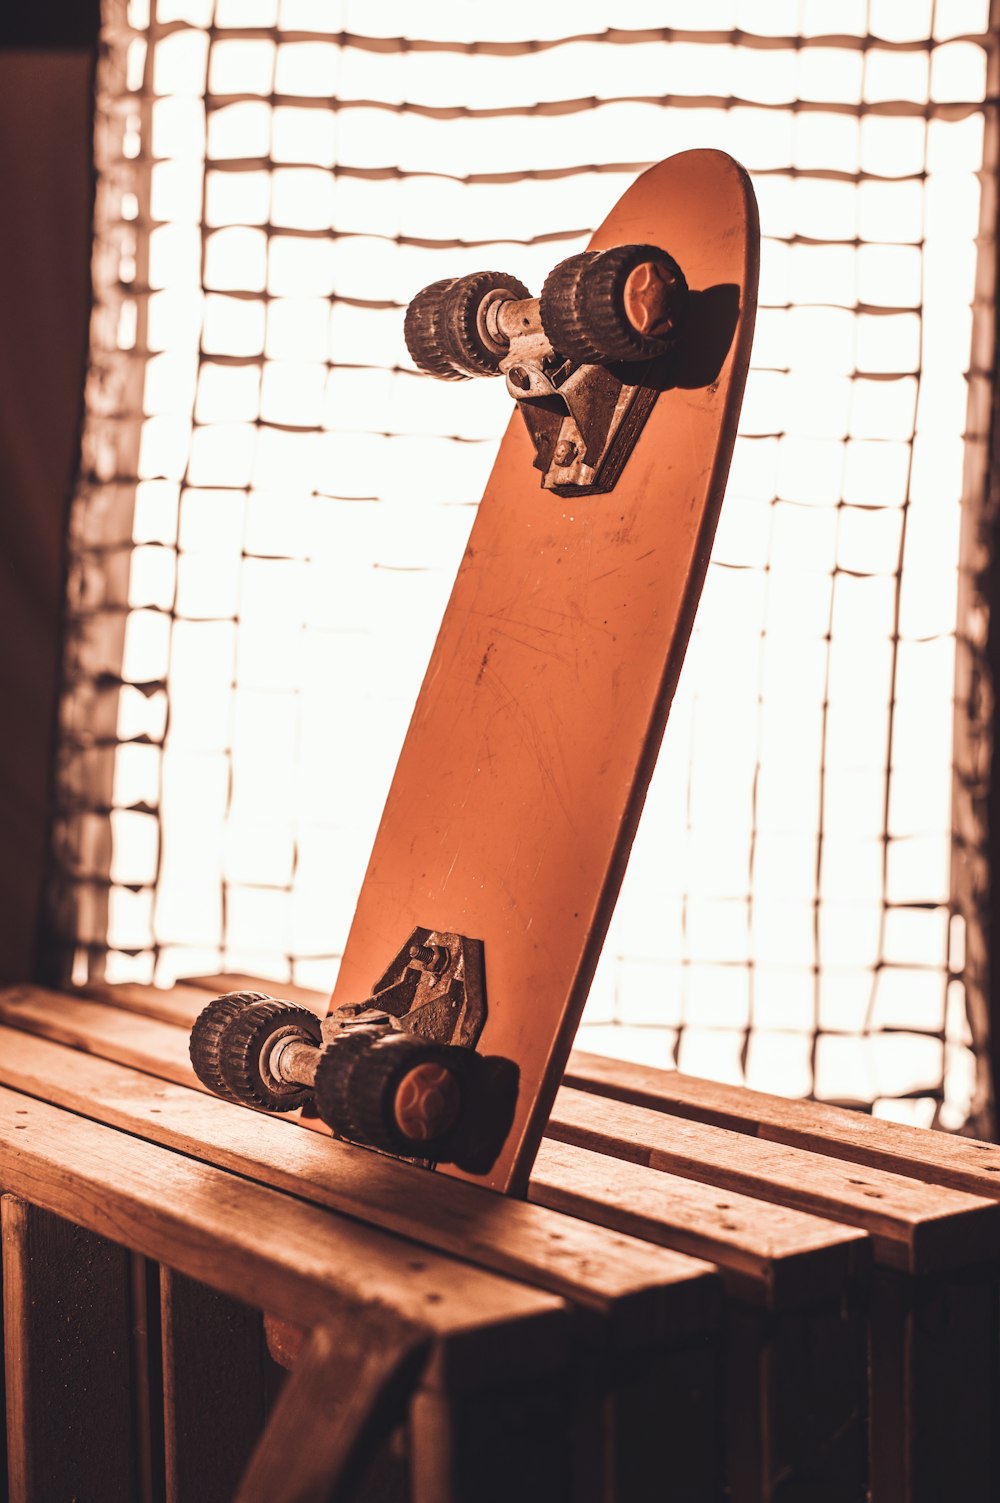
{"type": "Point", "coordinates": [638, 1335]}
{"type": "Point", "coordinates": [795, 1328]}
{"type": "Point", "coordinates": [398, 1317]}
{"type": "Point", "coordinates": [827, 1256]}
{"type": "Point", "coordinates": [935, 1392]}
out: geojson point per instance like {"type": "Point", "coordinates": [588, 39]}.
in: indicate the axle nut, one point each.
{"type": "Point", "coordinates": [653, 300]}
{"type": "Point", "coordinates": [427, 1102]}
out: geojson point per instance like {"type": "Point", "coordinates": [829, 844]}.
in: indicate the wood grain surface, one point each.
{"type": "Point", "coordinates": [915, 1226]}
{"type": "Point", "coordinates": [351, 1386]}
{"type": "Point", "coordinates": [766, 1254]}
{"type": "Point", "coordinates": [941, 1158]}
{"type": "Point", "coordinates": [218, 1387]}
{"type": "Point", "coordinates": [67, 1356]}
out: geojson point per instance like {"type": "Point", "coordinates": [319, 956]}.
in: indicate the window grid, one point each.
{"type": "Point", "coordinates": [269, 490]}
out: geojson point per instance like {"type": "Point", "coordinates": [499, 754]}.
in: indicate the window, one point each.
{"type": "Point", "coordinates": [269, 490]}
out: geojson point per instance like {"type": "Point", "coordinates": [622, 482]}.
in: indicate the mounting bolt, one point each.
{"type": "Point", "coordinates": [519, 377]}
{"type": "Point", "coordinates": [652, 300]}
{"type": "Point", "coordinates": [431, 957]}
{"type": "Point", "coordinates": [564, 452]}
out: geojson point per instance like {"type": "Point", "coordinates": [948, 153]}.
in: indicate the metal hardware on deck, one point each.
{"type": "Point", "coordinates": [293, 1059]}
{"type": "Point", "coordinates": [397, 1071]}
{"type": "Point", "coordinates": [574, 414]}
{"type": "Point", "coordinates": [434, 986]}
{"type": "Point", "coordinates": [577, 360]}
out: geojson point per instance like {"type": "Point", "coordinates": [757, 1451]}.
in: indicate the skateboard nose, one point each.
{"type": "Point", "coordinates": [652, 299]}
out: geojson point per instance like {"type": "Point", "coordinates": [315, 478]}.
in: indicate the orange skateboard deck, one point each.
{"type": "Point", "coordinates": [515, 800]}
{"type": "Point", "coordinates": [522, 777]}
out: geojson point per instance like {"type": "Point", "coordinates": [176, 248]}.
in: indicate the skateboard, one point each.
{"type": "Point", "coordinates": [518, 790]}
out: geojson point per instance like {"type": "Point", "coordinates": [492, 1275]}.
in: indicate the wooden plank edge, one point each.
{"type": "Point", "coordinates": [770, 1271]}
{"type": "Point", "coordinates": [912, 1226]}
{"type": "Point", "coordinates": [658, 1297]}
{"type": "Point", "coordinates": [948, 1159]}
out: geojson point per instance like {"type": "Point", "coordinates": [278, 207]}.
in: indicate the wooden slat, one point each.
{"type": "Point", "coordinates": [912, 1226]}
{"type": "Point", "coordinates": [794, 1346]}
{"type": "Point", "coordinates": [350, 1387]}
{"type": "Point", "coordinates": [905, 1217]}
{"type": "Point", "coordinates": [943, 1159]}
{"type": "Point", "coordinates": [766, 1254]}
{"type": "Point", "coordinates": [938, 1157]}
{"type": "Point", "coordinates": [280, 1254]}
{"type": "Point", "coordinates": [934, 1391]}
{"type": "Point", "coordinates": [660, 1090]}
{"type": "Point", "coordinates": [644, 1293]}
{"type": "Point", "coordinates": [181, 1003]}
{"type": "Point", "coordinates": [218, 1387]}
{"type": "Point", "coordinates": [772, 1254]}
{"type": "Point", "coordinates": [481, 1448]}
{"type": "Point", "coordinates": [95, 1027]}
{"type": "Point", "coordinates": [67, 1350]}
{"type": "Point", "coordinates": [147, 1378]}
{"type": "Point", "coordinates": [795, 1412]}
{"type": "Point", "coordinates": [234, 981]}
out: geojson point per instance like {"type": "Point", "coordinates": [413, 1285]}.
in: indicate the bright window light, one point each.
{"type": "Point", "coordinates": [273, 503]}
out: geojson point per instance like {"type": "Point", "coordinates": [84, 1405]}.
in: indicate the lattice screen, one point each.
{"type": "Point", "coordinates": [273, 503]}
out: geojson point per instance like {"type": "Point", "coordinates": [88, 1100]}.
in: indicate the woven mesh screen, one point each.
{"type": "Point", "coordinates": [272, 502]}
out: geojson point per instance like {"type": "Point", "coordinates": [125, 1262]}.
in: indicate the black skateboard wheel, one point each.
{"type": "Point", "coordinates": [392, 1090]}
{"type": "Point", "coordinates": [245, 1048]}
{"type": "Point", "coordinates": [205, 1042]}
{"type": "Point", "coordinates": [446, 329]}
{"type": "Point", "coordinates": [627, 303]}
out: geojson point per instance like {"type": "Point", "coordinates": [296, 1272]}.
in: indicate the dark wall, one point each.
{"type": "Point", "coordinates": [46, 192]}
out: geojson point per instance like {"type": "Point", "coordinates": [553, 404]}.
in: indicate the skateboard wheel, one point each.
{"type": "Point", "coordinates": [627, 303]}
{"type": "Point", "coordinates": [245, 1049]}
{"type": "Point", "coordinates": [392, 1091]}
{"type": "Point", "coordinates": [446, 329]}
{"type": "Point", "coordinates": [206, 1036]}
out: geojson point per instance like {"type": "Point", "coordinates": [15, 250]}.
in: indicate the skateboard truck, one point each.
{"type": "Point", "coordinates": [397, 1072]}
{"type": "Point", "coordinates": [578, 360]}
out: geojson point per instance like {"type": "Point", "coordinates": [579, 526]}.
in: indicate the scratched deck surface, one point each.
{"type": "Point", "coordinates": [521, 780]}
